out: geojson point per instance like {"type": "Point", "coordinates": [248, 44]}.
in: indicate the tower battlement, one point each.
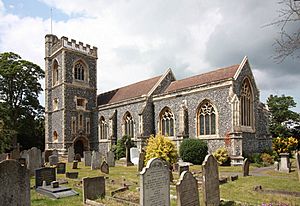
{"type": "Point", "coordinates": [53, 44]}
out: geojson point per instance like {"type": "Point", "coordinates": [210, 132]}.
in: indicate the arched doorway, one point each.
{"type": "Point", "coordinates": [78, 147]}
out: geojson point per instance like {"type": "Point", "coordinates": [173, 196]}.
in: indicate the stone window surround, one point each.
{"type": "Point", "coordinates": [87, 125]}
{"type": "Point", "coordinates": [55, 136]}
{"type": "Point", "coordinates": [103, 129]}
{"type": "Point", "coordinates": [55, 74]}
{"type": "Point", "coordinates": [80, 100]}
{"type": "Point", "coordinates": [85, 80]}
{"type": "Point", "coordinates": [164, 111]}
{"type": "Point", "coordinates": [128, 125]}
{"type": "Point", "coordinates": [246, 125]}
{"type": "Point", "coordinates": [55, 104]}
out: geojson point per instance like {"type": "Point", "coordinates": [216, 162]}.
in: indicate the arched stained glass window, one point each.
{"type": "Point", "coordinates": [246, 104]}
{"type": "Point", "coordinates": [206, 119]}
{"type": "Point", "coordinates": [129, 125]}
{"type": "Point", "coordinates": [167, 122]}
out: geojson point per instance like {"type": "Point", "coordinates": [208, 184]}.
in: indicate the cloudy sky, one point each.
{"type": "Point", "coordinates": [139, 39]}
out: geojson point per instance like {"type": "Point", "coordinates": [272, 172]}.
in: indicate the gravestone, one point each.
{"type": "Point", "coordinates": [110, 157]}
{"type": "Point", "coordinates": [71, 154]}
{"type": "Point", "coordinates": [93, 188]}
{"type": "Point", "coordinates": [35, 159]}
{"type": "Point", "coordinates": [87, 156]}
{"type": "Point", "coordinates": [96, 160]}
{"type": "Point", "coordinates": [78, 157]}
{"type": "Point", "coordinates": [141, 161]}
{"type": "Point", "coordinates": [15, 154]}
{"type": "Point", "coordinates": [53, 160]}
{"type": "Point", "coordinates": [276, 166]}
{"type": "Point", "coordinates": [134, 155]}
{"type": "Point", "coordinates": [187, 190]}
{"type": "Point", "coordinates": [298, 164]}
{"type": "Point", "coordinates": [284, 162]}
{"type": "Point", "coordinates": [246, 165]}
{"type": "Point", "coordinates": [3, 156]}
{"type": "Point", "coordinates": [75, 164]}
{"type": "Point", "coordinates": [182, 168]}
{"type": "Point", "coordinates": [61, 168]}
{"type": "Point", "coordinates": [155, 184]}
{"type": "Point", "coordinates": [72, 175]}
{"type": "Point", "coordinates": [46, 174]}
{"type": "Point", "coordinates": [104, 167]}
{"type": "Point", "coordinates": [210, 184]}
{"type": "Point", "coordinates": [128, 145]}
{"type": "Point", "coordinates": [22, 161]}
{"type": "Point", "coordinates": [15, 184]}
{"type": "Point", "coordinates": [48, 153]}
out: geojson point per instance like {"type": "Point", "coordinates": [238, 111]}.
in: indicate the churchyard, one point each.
{"type": "Point", "coordinates": [125, 185]}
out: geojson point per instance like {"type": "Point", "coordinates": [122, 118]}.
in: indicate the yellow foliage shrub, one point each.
{"type": "Point", "coordinates": [221, 155]}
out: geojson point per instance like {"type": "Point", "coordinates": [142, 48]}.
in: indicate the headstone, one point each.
{"type": "Point", "coordinates": [48, 153]}
{"type": "Point", "coordinates": [71, 154]}
{"type": "Point", "coordinates": [75, 164]}
{"type": "Point", "coordinates": [15, 154]}
{"type": "Point", "coordinates": [61, 168]}
{"type": "Point", "coordinates": [246, 165]}
{"type": "Point", "coordinates": [72, 175]}
{"type": "Point", "coordinates": [141, 161]}
{"type": "Point", "coordinates": [87, 156]}
{"type": "Point", "coordinates": [54, 184]}
{"type": "Point", "coordinates": [298, 164]}
{"type": "Point", "coordinates": [155, 183]}
{"type": "Point", "coordinates": [93, 188]}
{"type": "Point", "coordinates": [44, 174]}
{"type": "Point", "coordinates": [134, 155]}
{"type": "Point", "coordinates": [110, 157]}
{"type": "Point", "coordinates": [96, 160]}
{"type": "Point", "coordinates": [127, 145]}
{"type": "Point", "coordinates": [182, 168]}
{"type": "Point", "coordinates": [284, 162]}
{"type": "Point", "coordinates": [22, 161]}
{"type": "Point", "coordinates": [276, 166]}
{"type": "Point", "coordinates": [104, 167]}
{"type": "Point", "coordinates": [210, 184]}
{"type": "Point", "coordinates": [3, 157]}
{"type": "Point", "coordinates": [234, 177]}
{"type": "Point", "coordinates": [35, 159]}
{"type": "Point", "coordinates": [15, 184]}
{"type": "Point", "coordinates": [53, 160]}
{"type": "Point", "coordinates": [187, 190]}
{"type": "Point", "coordinates": [78, 157]}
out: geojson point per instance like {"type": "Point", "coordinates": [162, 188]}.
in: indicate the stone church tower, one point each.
{"type": "Point", "coordinates": [70, 92]}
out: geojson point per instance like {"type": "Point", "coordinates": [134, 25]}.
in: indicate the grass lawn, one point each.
{"type": "Point", "coordinates": [240, 191]}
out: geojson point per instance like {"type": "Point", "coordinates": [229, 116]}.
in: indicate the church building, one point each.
{"type": "Point", "coordinates": [221, 107]}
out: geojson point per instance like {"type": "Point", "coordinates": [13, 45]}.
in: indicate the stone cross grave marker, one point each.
{"type": "Point", "coordinates": [15, 184]}
{"type": "Point", "coordinates": [155, 184]}
{"type": "Point", "coordinates": [141, 161]}
{"type": "Point", "coordinates": [44, 174]}
{"type": "Point", "coordinates": [61, 168]}
{"type": "Point", "coordinates": [87, 157]}
{"type": "Point", "coordinates": [53, 160]}
{"type": "Point", "coordinates": [104, 167]}
{"type": "Point", "coordinates": [246, 165]}
{"type": "Point", "coordinates": [110, 157]}
{"type": "Point", "coordinates": [71, 154]}
{"type": "Point", "coordinates": [96, 160]}
{"type": "Point", "coordinates": [211, 190]}
{"type": "Point", "coordinates": [93, 188]}
{"type": "Point", "coordinates": [134, 155]}
{"type": "Point", "coordinates": [298, 164]}
{"type": "Point", "coordinates": [284, 162]}
{"type": "Point", "coordinates": [187, 190]}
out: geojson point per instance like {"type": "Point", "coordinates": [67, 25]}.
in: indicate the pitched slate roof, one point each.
{"type": "Point", "coordinates": [213, 76]}
{"type": "Point", "coordinates": [130, 91]}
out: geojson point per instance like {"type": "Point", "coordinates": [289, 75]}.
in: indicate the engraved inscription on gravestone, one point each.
{"type": "Point", "coordinates": [187, 190]}
{"type": "Point", "coordinates": [44, 174]}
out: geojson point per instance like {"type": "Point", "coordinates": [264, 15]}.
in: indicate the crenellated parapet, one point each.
{"type": "Point", "coordinates": [53, 45]}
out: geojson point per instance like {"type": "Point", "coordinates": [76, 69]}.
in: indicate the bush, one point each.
{"type": "Point", "coordinates": [284, 145]}
{"type": "Point", "coordinates": [161, 147]}
{"type": "Point", "coordinates": [222, 156]}
{"type": "Point", "coordinates": [193, 150]}
{"type": "Point", "coordinates": [266, 159]}
{"type": "Point", "coordinates": [120, 149]}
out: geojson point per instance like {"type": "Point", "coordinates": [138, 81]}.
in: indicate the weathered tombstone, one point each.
{"type": "Point", "coordinates": [35, 159]}
{"type": "Point", "coordinates": [53, 160]}
{"type": "Point", "coordinates": [78, 157]}
{"type": "Point", "coordinates": [48, 153]}
{"type": "Point", "coordinates": [141, 161]}
{"type": "Point", "coordinates": [72, 175]}
{"type": "Point", "coordinates": [46, 174]}
{"type": "Point", "coordinates": [246, 165]}
{"type": "Point", "coordinates": [71, 154]}
{"type": "Point", "coordinates": [298, 164]}
{"type": "Point", "coordinates": [182, 168]}
{"type": "Point", "coordinates": [15, 184]}
{"type": "Point", "coordinates": [127, 145]}
{"type": "Point", "coordinates": [3, 157]}
{"type": "Point", "coordinates": [15, 154]}
{"type": "Point", "coordinates": [187, 190]}
{"type": "Point", "coordinates": [93, 188]}
{"type": "Point", "coordinates": [96, 160]}
{"type": "Point", "coordinates": [284, 162]}
{"type": "Point", "coordinates": [211, 190]}
{"type": "Point", "coordinates": [87, 156]}
{"type": "Point", "coordinates": [22, 161]}
{"type": "Point", "coordinates": [155, 183]}
{"type": "Point", "coordinates": [134, 155]}
{"type": "Point", "coordinates": [75, 164]}
{"type": "Point", "coordinates": [61, 168]}
{"type": "Point", "coordinates": [104, 167]}
{"type": "Point", "coordinates": [110, 157]}
{"type": "Point", "coordinates": [276, 166]}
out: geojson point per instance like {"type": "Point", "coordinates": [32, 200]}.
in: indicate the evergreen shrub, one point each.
{"type": "Point", "coordinates": [193, 150]}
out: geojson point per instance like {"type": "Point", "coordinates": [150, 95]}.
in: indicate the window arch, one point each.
{"type": "Point", "coordinates": [102, 128]}
{"type": "Point", "coordinates": [55, 136]}
{"type": "Point", "coordinates": [246, 103]}
{"type": "Point", "coordinates": [128, 125]}
{"type": "Point", "coordinates": [80, 71]}
{"type": "Point", "coordinates": [55, 72]}
{"type": "Point", "coordinates": [166, 122]}
{"type": "Point", "coordinates": [206, 119]}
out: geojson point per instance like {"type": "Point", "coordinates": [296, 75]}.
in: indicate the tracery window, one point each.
{"type": "Point", "coordinates": [206, 119]}
{"type": "Point", "coordinates": [128, 125]}
{"type": "Point", "coordinates": [79, 70]}
{"type": "Point", "coordinates": [102, 128]}
{"type": "Point", "coordinates": [167, 122]}
{"type": "Point", "coordinates": [246, 104]}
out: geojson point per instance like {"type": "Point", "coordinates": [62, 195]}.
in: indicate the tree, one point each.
{"type": "Point", "coordinates": [288, 44]}
{"type": "Point", "coordinates": [19, 90]}
{"type": "Point", "coordinates": [280, 111]}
